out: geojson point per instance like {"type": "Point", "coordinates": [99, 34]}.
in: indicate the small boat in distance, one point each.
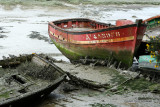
{"type": "Point", "coordinates": [79, 38]}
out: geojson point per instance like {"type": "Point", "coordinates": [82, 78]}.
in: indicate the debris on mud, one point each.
{"type": "Point", "coordinates": [3, 36]}
{"type": "Point", "coordinates": [102, 105]}
{"type": "Point", "coordinates": [74, 80]}
{"type": "Point", "coordinates": [3, 30]}
{"type": "Point", "coordinates": [69, 88]}
{"type": "Point", "coordinates": [40, 72]}
{"type": "Point", "coordinates": [85, 83]}
{"type": "Point", "coordinates": [124, 83]}
{"type": "Point", "coordinates": [77, 86]}
{"type": "Point", "coordinates": [28, 68]}
{"type": "Point", "coordinates": [37, 35]}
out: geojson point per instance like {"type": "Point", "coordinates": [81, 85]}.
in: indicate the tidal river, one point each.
{"type": "Point", "coordinates": [21, 28]}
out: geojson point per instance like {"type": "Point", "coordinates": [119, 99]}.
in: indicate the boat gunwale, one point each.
{"type": "Point", "coordinates": [16, 98]}
{"type": "Point", "coordinates": [90, 31]}
{"type": "Point", "coordinates": [149, 19]}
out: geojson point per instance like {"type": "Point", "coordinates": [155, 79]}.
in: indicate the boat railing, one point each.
{"type": "Point", "coordinates": [82, 24]}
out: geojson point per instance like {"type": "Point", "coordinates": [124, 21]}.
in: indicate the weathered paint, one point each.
{"type": "Point", "coordinates": [76, 52]}
{"type": "Point", "coordinates": [103, 42]}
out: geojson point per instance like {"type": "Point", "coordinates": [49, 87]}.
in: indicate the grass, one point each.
{"type": "Point", "coordinates": [5, 95]}
{"type": "Point", "coordinates": [2, 89]}
{"type": "Point", "coordinates": [117, 78]}
{"type": "Point", "coordinates": [140, 84]}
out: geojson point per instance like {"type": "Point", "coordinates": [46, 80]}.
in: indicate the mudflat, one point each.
{"type": "Point", "coordinates": [24, 30]}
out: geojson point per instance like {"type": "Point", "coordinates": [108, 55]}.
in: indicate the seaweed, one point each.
{"type": "Point", "coordinates": [102, 105]}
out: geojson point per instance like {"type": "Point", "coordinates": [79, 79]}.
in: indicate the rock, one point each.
{"type": "Point", "coordinates": [134, 16]}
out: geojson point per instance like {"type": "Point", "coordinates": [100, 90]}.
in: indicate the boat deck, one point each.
{"type": "Point", "coordinates": [14, 85]}
{"type": "Point", "coordinates": [79, 24]}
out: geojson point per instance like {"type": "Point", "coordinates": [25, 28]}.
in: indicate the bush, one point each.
{"type": "Point", "coordinates": [153, 47]}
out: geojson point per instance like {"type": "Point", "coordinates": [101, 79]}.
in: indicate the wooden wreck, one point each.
{"type": "Point", "coordinates": [26, 78]}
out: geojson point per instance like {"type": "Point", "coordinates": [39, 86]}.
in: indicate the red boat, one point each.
{"type": "Point", "coordinates": [80, 37]}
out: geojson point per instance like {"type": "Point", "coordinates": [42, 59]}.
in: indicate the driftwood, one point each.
{"type": "Point", "coordinates": [85, 83]}
{"type": "Point", "coordinates": [14, 61]}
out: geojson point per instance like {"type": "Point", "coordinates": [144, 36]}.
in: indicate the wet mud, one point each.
{"type": "Point", "coordinates": [1, 28]}
{"type": "Point", "coordinates": [1, 33]}
{"type": "Point", "coordinates": [2, 36]}
{"type": "Point", "coordinates": [37, 35]}
{"type": "Point", "coordinates": [69, 95]}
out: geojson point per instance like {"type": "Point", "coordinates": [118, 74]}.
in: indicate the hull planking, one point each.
{"type": "Point", "coordinates": [99, 40]}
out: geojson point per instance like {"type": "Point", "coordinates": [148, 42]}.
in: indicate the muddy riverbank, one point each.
{"type": "Point", "coordinates": [75, 96]}
{"type": "Point", "coordinates": [25, 30]}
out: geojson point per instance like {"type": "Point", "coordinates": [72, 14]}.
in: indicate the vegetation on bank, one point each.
{"type": "Point", "coordinates": [102, 105]}
{"type": "Point", "coordinates": [124, 83]}
{"type": "Point", "coordinates": [50, 3]}
{"type": "Point", "coordinates": [154, 48]}
{"type": "Point", "coordinates": [62, 2]}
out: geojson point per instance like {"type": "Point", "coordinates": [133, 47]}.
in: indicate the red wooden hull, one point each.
{"type": "Point", "coordinates": [101, 41]}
